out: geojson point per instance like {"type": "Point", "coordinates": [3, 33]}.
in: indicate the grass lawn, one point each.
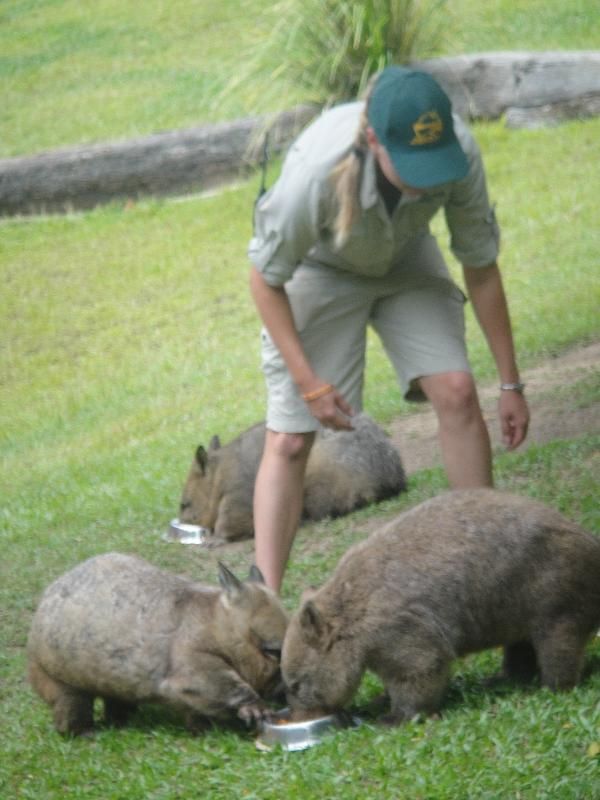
{"type": "Point", "coordinates": [75, 72]}
{"type": "Point", "coordinates": [128, 337]}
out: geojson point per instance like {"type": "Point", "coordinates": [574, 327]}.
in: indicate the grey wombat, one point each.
{"type": "Point", "coordinates": [465, 571]}
{"type": "Point", "coordinates": [118, 628]}
{"type": "Point", "coordinates": [345, 470]}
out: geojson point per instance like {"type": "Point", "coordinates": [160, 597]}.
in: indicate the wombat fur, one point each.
{"type": "Point", "coordinates": [345, 470]}
{"type": "Point", "coordinates": [465, 571]}
{"type": "Point", "coordinates": [118, 628]}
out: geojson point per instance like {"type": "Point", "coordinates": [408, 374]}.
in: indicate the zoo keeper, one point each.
{"type": "Point", "coordinates": [342, 241]}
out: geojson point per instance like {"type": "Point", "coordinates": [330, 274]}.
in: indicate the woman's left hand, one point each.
{"type": "Point", "coordinates": [514, 418]}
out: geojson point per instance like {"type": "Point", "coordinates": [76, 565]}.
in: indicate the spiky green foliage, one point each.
{"type": "Point", "coordinates": [329, 49]}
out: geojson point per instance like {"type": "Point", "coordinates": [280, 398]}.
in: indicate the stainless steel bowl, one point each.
{"type": "Point", "coordinates": [184, 533]}
{"type": "Point", "coordinates": [300, 735]}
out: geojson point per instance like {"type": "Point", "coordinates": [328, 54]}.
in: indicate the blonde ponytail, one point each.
{"type": "Point", "coordinates": [346, 176]}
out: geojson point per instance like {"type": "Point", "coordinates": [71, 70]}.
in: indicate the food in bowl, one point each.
{"type": "Point", "coordinates": [298, 730]}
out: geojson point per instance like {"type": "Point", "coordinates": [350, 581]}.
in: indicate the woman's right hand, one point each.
{"type": "Point", "coordinates": [332, 411]}
{"type": "Point", "coordinates": [273, 305]}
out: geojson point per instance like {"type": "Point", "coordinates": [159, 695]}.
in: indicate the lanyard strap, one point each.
{"type": "Point", "coordinates": [263, 180]}
{"type": "Point", "coordinates": [263, 165]}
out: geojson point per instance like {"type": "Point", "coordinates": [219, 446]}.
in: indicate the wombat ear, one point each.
{"type": "Point", "coordinates": [215, 443]}
{"type": "Point", "coordinates": [255, 575]}
{"type": "Point", "coordinates": [232, 585]}
{"type": "Point", "coordinates": [201, 458]}
{"type": "Point", "coordinates": [312, 620]}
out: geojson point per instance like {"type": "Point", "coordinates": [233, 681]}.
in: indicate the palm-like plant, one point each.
{"type": "Point", "coordinates": [327, 49]}
{"type": "Point", "coordinates": [334, 47]}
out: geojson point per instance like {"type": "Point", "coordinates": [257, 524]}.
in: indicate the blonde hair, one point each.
{"type": "Point", "coordinates": [346, 176]}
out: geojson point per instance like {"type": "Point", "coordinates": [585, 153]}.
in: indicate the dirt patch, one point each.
{"type": "Point", "coordinates": [556, 413]}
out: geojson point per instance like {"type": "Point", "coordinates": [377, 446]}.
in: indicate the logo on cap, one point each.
{"type": "Point", "coordinates": [428, 128]}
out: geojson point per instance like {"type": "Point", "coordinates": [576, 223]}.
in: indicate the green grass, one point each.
{"type": "Point", "coordinates": [128, 337]}
{"type": "Point", "coordinates": [489, 743]}
{"type": "Point", "coordinates": [485, 747]}
{"type": "Point", "coordinates": [523, 25]}
{"type": "Point", "coordinates": [77, 72]}
{"type": "Point", "coordinates": [74, 72]}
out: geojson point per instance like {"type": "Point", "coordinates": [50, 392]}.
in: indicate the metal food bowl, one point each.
{"type": "Point", "coordinates": [184, 533]}
{"type": "Point", "coordinates": [279, 732]}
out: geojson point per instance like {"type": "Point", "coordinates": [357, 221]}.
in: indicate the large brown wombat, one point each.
{"type": "Point", "coordinates": [345, 470]}
{"type": "Point", "coordinates": [118, 628]}
{"type": "Point", "coordinates": [459, 573]}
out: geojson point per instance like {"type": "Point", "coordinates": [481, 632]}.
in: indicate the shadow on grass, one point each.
{"type": "Point", "coordinates": [466, 695]}
{"type": "Point", "coordinates": [165, 721]}
{"type": "Point", "coordinates": [478, 687]}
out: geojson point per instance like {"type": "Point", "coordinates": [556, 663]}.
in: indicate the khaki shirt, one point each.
{"type": "Point", "coordinates": [293, 220]}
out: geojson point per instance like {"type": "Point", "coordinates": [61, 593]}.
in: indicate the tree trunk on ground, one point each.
{"type": "Point", "coordinates": [485, 85]}
{"type": "Point", "coordinates": [162, 164]}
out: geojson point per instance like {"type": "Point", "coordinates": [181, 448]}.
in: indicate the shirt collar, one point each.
{"type": "Point", "coordinates": [369, 196]}
{"type": "Point", "coordinates": [368, 187]}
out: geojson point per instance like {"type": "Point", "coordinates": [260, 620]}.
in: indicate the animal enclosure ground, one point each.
{"type": "Point", "coordinates": [557, 410]}
{"type": "Point", "coordinates": [563, 394]}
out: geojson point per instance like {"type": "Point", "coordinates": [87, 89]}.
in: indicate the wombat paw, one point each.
{"type": "Point", "coordinates": [251, 713]}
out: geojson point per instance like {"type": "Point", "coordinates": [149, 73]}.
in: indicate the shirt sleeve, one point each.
{"type": "Point", "coordinates": [286, 223]}
{"type": "Point", "coordinates": [474, 232]}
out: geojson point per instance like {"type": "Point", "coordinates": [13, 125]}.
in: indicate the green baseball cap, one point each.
{"type": "Point", "coordinates": [412, 118]}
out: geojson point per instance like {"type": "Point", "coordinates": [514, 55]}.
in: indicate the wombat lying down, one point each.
{"type": "Point", "coordinates": [459, 573]}
{"type": "Point", "coordinates": [118, 628]}
{"type": "Point", "coordinates": [345, 470]}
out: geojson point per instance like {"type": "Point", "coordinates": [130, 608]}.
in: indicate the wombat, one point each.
{"type": "Point", "coordinates": [345, 470]}
{"type": "Point", "coordinates": [465, 571]}
{"type": "Point", "coordinates": [118, 628]}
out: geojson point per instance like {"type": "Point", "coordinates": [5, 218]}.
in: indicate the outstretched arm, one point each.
{"type": "Point", "coordinates": [485, 289]}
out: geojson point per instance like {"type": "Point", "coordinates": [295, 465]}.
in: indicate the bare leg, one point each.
{"type": "Point", "coordinates": [278, 496]}
{"type": "Point", "coordinates": [464, 437]}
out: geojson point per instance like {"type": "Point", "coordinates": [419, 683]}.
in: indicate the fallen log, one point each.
{"type": "Point", "coordinates": [550, 114]}
{"type": "Point", "coordinates": [485, 85]}
{"type": "Point", "coordinates": [171, 163]}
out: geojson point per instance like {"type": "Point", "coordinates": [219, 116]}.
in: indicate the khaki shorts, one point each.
{"type": "Point", "coordinates": [416, 311]}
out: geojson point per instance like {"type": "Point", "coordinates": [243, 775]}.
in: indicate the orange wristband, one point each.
{"type": "Point", "coordinates": [316, 393]}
